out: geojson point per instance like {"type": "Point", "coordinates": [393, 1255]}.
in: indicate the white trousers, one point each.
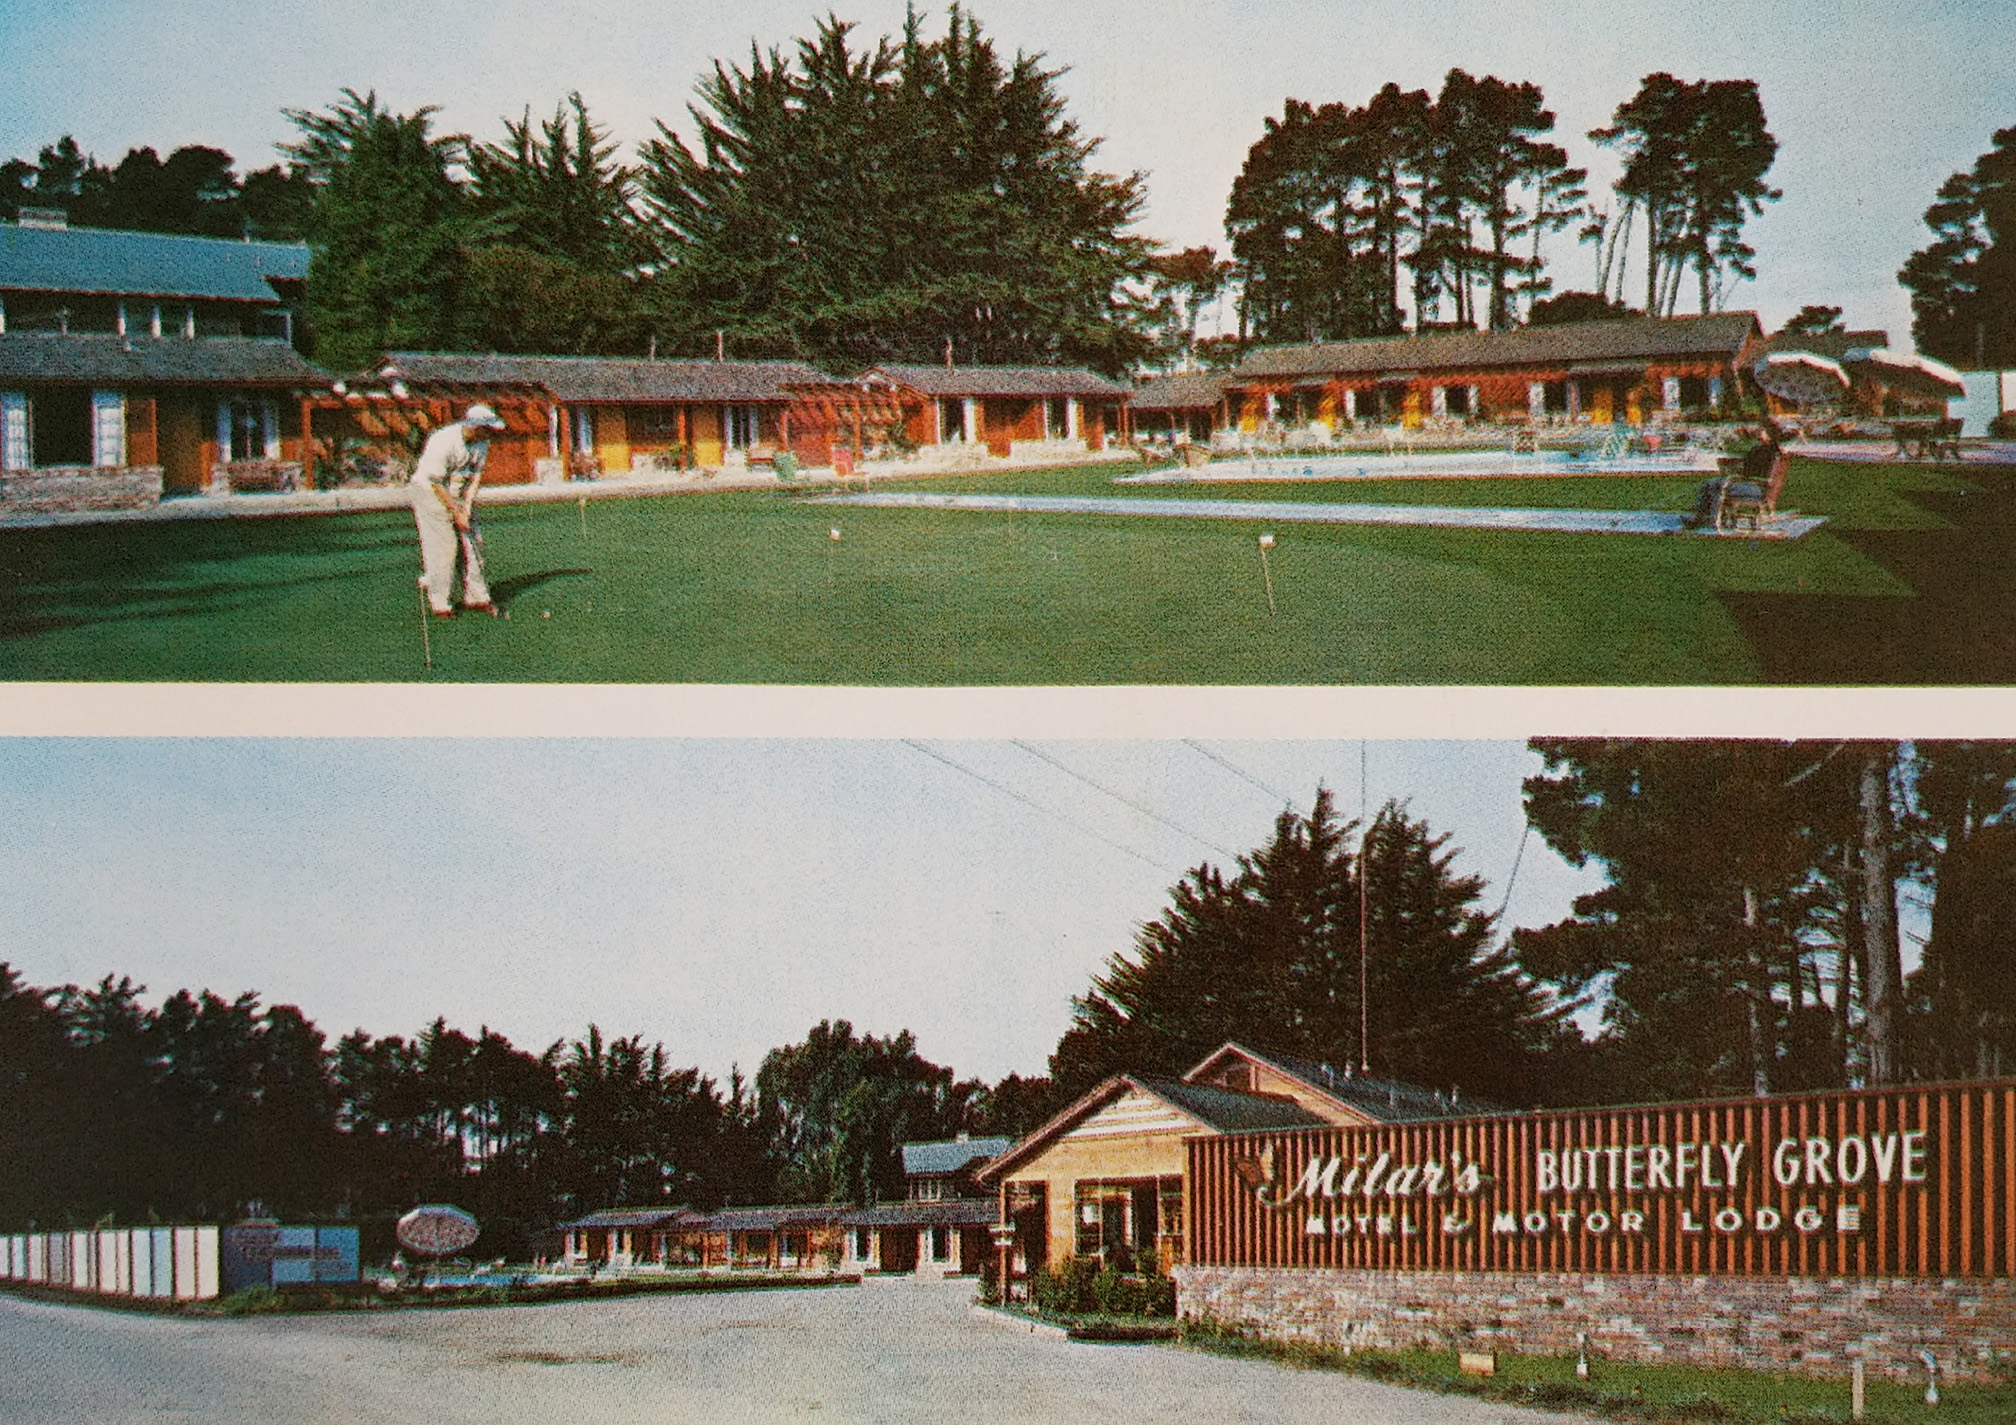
{"type": "Point", "coordinates": [442, 547]}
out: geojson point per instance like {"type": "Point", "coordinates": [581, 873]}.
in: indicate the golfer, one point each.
{"type": "Point", "coordinates": [444, 507]}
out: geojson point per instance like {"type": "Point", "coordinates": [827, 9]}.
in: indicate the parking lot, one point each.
{"type": "Point", "coordinates": [895, 1351]}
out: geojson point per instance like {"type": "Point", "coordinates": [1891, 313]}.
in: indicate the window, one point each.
{"type": "Point", "coordinates": [16, 453]}
{"type": "Point", "coordinates": [941, 1244]}
{"type": "Point", "coordinates": [108, 429]}
{"type": "Point", "coordinates": [951, 419]}
{"type": "Point", "coordinates": [1557, 398]}
{"type": "Point", "coordinates": [1694, 393]}
{"type": "Point", "coordinates": [741, 426]}
{"type": "Point", "coordinates": [584, 431]}
{"type": "Point", "coordinates": [60, 427]}
{"type": "Point", "coordinates": [864, 1249]}
{"type": "Point", "coordinates": [248, 429]}
{"type": "Point", "coordinates": [653, 423]}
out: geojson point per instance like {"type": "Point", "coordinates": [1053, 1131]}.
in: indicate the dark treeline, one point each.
{"type": "Point", "coordinates": [195, 190]}
{"type": "Point", "coordinates": [206, 1108]}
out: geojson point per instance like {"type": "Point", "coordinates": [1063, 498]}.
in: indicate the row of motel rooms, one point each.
{"type": "Point", "coordinates": [179, 354]}
{"type": "Point", "coordinates": [1103, 1178]}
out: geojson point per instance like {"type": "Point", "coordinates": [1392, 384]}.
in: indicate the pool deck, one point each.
{"type": "Point", "coordinates": [1789, 525]}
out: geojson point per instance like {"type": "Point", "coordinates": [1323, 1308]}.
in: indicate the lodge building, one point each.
{"type": "Point", "coordinates": [138, 364]}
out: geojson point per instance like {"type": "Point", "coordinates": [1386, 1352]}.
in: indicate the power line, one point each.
{"type": "Point", "coordinates": [1513, 879]}
{"type": "Point", "coordinates": [1202, 751]}
{"type": "Point", "coordinates": [1125, 801]}
{"type": "Point", "coordinates": [1014, 795]}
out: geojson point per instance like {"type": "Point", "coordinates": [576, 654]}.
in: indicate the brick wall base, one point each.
{"type": "Point", "coordinates": [1816, 1326]}
{"type": "Point", "coordinates": [66, 489]}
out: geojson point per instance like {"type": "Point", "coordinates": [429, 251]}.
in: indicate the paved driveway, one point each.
{"type": "Point", "coordinates": [888, 1351]}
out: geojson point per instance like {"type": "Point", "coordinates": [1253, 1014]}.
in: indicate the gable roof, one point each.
{"type": "Point", "coordinates": [931, 1159]}
{"type": "Point", "coordinates": [1381, 1100]}
{"type": "Point", "coordinates": [1180, 393]}
{"type": "Point", "coordinates": [1029, 381]}
{"type": "Point", "coordinates": [1213, 1110]}
{"type": "Point", "coordinates": [1720, 336]}
{"type": "Point", "coordinates": [111, 262]}
{"type": "Point", "coordinates": [616, 380]}
{"type": "Point", "coordinates": [106, 360]}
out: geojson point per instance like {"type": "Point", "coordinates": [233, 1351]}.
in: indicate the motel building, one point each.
{"type": "Point", "coordinates": [1631, 370]}
{"type": "Point", "coordinates": [592, 417]}
{"type": "Point", "coordinates": [1024, 412]}
{"type": "Point", "coordinates": [940, 1228]}
{"type": "Point", "coordinates": [1182, 410]}
{"type": "Point", "coordinates": [1106, 1177]}
{"type": "Point", "coordinates": [137, 365]}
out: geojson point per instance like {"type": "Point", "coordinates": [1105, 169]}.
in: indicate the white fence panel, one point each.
{"type": "Point", "coordinates": [206, 1263]}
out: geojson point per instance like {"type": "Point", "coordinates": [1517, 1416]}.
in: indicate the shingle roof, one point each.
{"type": "Point", "coordinates": [1384, 1100]}
{"type": "Point", "coordinates": [1228, 1111]}
{"type": "Point", "coordinates": [950, 1157]}
{"type": "Point", "coordinates": [636, 1217]}
{"type": "Point", "coordinates": [1179, 393]}
{"type": "Point", "coordinates": [153, 361]}
{"type": "Point", "coordinates": [1029, 381]}
{"type": "Point", "coordinates": [601, 378]}
{"type": "Point", "coordinates": [771, 1219]}
{"type": "Point", "coordinates": [1623, 340]}
{"type": "Point", "coordinates": [115, 263]}
{"type": "Point", "coordinates": [951, 1212]}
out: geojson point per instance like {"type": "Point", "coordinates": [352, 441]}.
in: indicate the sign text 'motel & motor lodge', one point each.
{"type": "Point", "coordinates": [1917, 1182]}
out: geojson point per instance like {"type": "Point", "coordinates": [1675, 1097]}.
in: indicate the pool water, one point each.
{"type": "Point", "coordinates": [1450, 464]}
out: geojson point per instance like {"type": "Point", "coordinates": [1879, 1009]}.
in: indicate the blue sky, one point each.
{"type": "Point", "coordinates": [1875, 102]}
{"type": "Point", "coordinates": [721, 896]}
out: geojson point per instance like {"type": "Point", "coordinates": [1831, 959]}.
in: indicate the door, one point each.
{"type": "Point", "coordinates": [181, 437]}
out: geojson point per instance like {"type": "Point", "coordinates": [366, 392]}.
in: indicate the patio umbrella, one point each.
{"type": "Point", "coordinates": [1804, 378]}
{"type": "Point", "coordinates": [1909, 374]}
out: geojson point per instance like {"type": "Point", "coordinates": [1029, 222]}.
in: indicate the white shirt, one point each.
{"type": "Point", "coordinates": [450, 458]}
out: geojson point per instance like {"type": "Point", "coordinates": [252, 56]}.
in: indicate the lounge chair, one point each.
{"type": "Point", "coordinates": [1746, 499]}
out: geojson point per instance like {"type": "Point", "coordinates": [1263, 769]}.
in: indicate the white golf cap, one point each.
{"type": "Point", "coordinates": [482, 415]}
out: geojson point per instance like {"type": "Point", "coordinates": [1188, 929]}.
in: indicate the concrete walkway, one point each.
{"type": "Point", "coordinates": [1787, 526]}
{"type": "Point", "coordinates": [892, 1351]}
{"type": "Point", "coordinates": [398, 496]}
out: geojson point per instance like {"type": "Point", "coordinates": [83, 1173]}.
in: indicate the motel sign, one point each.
{"type": "Point", "coordinates": [1899, 1182]}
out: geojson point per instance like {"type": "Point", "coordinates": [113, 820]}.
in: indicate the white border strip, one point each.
{"type": "Point", "coordinates": [716, 711]}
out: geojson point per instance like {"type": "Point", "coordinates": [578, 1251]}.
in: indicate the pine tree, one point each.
{"type": "Point", "coordinates": [862, 206]}
{"type": "Point", "coordinates": [1271, 957]}
{"type": "Point", "coordinates": [389, 229]}
{"type": "Point", "coordinates": [1963, 284]}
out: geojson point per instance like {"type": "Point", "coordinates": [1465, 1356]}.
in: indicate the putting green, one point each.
{"type": "Point", "coordinates": [749, 587]}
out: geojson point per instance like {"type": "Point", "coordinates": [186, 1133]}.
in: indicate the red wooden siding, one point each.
{"type": "Point", "coordinates": [1916, 1182]}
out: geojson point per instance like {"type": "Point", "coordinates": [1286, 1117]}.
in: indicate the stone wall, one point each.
{"type": "Point", "coordinates": [66, 489]}
{"type": "Point", "coordinates": [1805, 1324]}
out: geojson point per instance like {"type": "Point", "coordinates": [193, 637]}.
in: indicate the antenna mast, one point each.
{"type": "Point", "coordinates": [1364, 1009]}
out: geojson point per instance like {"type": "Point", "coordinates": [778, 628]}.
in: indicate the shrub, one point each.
{"type": "Point", "coordinates": [2003, 427]}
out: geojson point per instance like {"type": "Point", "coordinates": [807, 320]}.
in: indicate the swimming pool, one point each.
{"type": "Point", "coordinates": [1428, 465]}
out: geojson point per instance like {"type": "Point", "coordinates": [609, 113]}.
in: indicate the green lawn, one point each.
{"type": "Point", "coordinates": [727, 587]}
{"type": "Point", "coordinates": [1622, 1390]}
